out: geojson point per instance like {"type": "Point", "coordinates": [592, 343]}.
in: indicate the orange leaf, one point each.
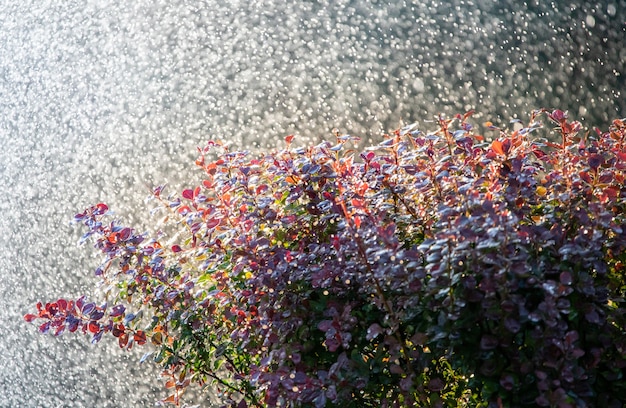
{"type": "Point", "coordinates": [468, 114]}
{"type": "Point", "coordinates": [554, 145]}
{"type": "Point", "coordinates": [357, 203]}
{"type": "Point", "coordinates": [211, 168]}
{"type": "Point", "coordinates": [496, 146]}
{"type": "Point", "coordinates": [140, 337]}
{"type": "Point", "coordinates": [172, 399]}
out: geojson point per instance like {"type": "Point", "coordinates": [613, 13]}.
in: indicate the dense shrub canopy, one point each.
{"type": "Point", "coordinates": [434, 269]}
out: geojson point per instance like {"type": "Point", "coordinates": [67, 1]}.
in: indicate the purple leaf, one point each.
{"type": "Point", "coordinates": [436, 384]}
{"type": "Point", "coordinates": [117, 310]}
{"type": "Point", "coordinates": [320, 400]}
{"type": "Point", "coordinates": [373, 331]}
{"type": "Point", "coordinates": [325, 325]}
{"type": "Point", "coordinates": [595, 161]}
{"type": "Point", "coordinates": [88, 308]}
{"type": "Point", "coordinates": [488, 342]}
{"type": "Point", "coordinates": [566, 278]}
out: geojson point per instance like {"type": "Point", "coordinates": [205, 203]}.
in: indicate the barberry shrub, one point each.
{"type": "Point", "coordinates": [434, 270]}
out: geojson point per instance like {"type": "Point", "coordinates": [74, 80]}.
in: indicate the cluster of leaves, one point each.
{"type": "Point", "coordinates": [434, 269]}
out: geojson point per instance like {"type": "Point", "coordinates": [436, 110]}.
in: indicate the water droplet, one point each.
{"type": "Point", "coordinates": [418, 85]}
{"type": "Point", "coordinates": [611, 10]}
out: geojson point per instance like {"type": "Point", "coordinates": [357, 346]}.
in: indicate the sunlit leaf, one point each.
{"type": "Point", "coordinates": [29, 317]}
{"type": "Point", "coordinates": [497, 147]}
{"type": "Point", "coordinates": [117, 310]}
{"type": "Point", "coordinates": [93, 327]}
{"type": "Point", "coordinates": [188, 194]}
{"type": "Point", "coordinates": [140, 337]}
{"type": "Point", "coordinates": [146, 356]}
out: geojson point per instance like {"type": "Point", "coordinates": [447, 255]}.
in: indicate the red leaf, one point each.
{"type": "Point", "coordinates": [554, 145]}
{"type": "Point", "coordinates": [212, 223]}
{"type": "Point", "coordinates": [289, 139]}
{"type": "Point", "coordinates": [140, 337]}
{"type": "Point", "coordinates": [188, 194]}
{"type": "Point", "coordinates": [176, 248]}
{"type": "Point", "coordinates": [585, 176]}
{"type": "Point", "coordinates": [93, 327]}
{"type": "Point", "coordinates": [43, 329]}
{"type": "Point", "coordinates": [368, 157]}
{"type": "Point", "coordinates": [558, 115]}
{"type": "Point", "coordinates": [118, 330]}
{"type": "Point", "coordinates": [29, 317]}
{"type": "Point", "coordinates": [606, 177]}
{"type": "Point", "coordinates": [609, 194]}
{"type": "Point", "coordinates": [100, 209]}
{"type": "Point", "coordinates": [538, 153]}
{"type": "Point", "coordinates": [123, 340]}
{"type": "Point", "coordinates": [468, 114]}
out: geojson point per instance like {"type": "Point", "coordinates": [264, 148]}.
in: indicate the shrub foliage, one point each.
{"type": "Point", "coordinates": [434, 269]}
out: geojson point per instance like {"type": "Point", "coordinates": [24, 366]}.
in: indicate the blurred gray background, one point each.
{"type": "Point", "coordinates": [100, 98]}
